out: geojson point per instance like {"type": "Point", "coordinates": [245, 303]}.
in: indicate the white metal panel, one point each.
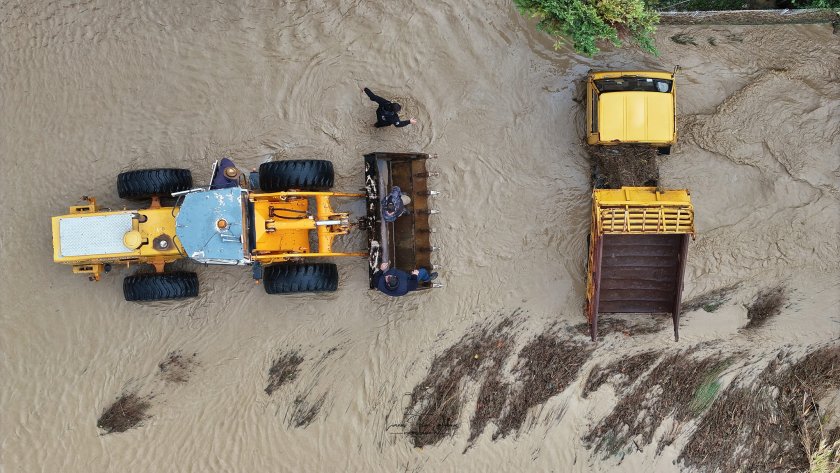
{"type": "Point", "coordinates": [94, 235]}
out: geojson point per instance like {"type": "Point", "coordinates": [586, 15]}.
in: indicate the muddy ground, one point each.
{"type": "Point", "coordinates": [91, 89]}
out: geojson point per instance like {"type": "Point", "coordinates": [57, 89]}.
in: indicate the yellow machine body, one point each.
{"type": "Point", "coordinates": [630, 109]}
{"type": "Point", "coordinates": [283, 222]}
{"type": "Point", "coordinates": [88, 238]}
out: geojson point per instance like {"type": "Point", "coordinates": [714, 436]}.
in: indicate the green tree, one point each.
{"type": "Point", "coordinates": [584, 23]}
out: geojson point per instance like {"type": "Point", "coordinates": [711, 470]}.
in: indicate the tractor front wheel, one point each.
{"type": "Point", "coordinates": [287, 278]}
{"type": "Point", "coordinates": [160, 286]}
{"type": "Point", "coordinates": [145, 183]}
{"type": "Point", "coordinates": [298, 174]}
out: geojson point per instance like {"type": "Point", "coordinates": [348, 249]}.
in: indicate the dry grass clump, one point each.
{"type": "Point", "coordinates": [684, 39]}
{"type": "Point", "coordinates": [492, 396]}
{"type": "Point", "coordinates": [284, 369]}
{"type": "Point", "coordinates": [547, 366]}
{"type": "Point", "coordinates": [177, 367]}
{"type": "Point", "coordinates": [767, 304]}
{"type": "Point", "coordinates": [304, 412]}
{"type": "Point", "coordinates": [623, 166]}
{"type": "Point", "coordinates": [623, 372]}
{"type": "Point", "coordinates": [774, 424]}
{"type": "Point", "coordinates": [666, 391]}
{"type": "Point", "coordinates": [127, 412]}
{"type": "Point", "coordinates": [826, 459]}
{"type": "Point", "coordinates": [630, 326]}
{"type": "Point", "coordinates": [710, 301]}
{"type": "Point", "coordinates": [436, 402]}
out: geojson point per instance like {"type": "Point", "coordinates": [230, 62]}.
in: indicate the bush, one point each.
{"type": "Point", "coordinates": [584, 23]}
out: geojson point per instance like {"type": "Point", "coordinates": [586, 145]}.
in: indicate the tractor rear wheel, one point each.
{"type": "Point", "coordinates": [300, 174]}
{"type": "Point", "coordinates": [145, 183]}
{"type": "Point", "coordinates": [160, 286]}
{"type": "Point", "coordinates": [287, 278]}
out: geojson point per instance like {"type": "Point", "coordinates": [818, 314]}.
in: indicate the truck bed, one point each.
{"type": "Point", "coordinates": [637, 254]}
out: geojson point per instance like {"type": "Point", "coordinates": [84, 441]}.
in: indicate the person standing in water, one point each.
{"type": "Point", "coordinates": [386, 113]}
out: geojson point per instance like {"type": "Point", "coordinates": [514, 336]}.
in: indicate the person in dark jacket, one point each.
{"type": "Point", "coordinates": [386, 113]}
{"type": "Point", "coordinates": [394, 205]}
{"type": "Point", "coordinates": [396, 282]}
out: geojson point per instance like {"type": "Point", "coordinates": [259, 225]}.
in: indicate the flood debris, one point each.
{"type": "Point", "coordinates": [303, 411]}
{"type": "Point", "coordinates": [684, 39]}
{"type": "Point", "coordinates": [710, 301]}
{"type": "Point", "coordinates": [177, 367]}
{"type": "Point", "coordinates": [621, 373]}
{"type": "Point", "coordinates": [435, 404]}
{"type": "Point", "coordinates": [628, 326]}
{"type": "Point", "coordinates": [774, 423]}
{"type": "Point", "coordinates": [492, 397]}
{"type": "Point", "coordinates": [127, 412]}
{"type": "Point", "coordinates": [619, 166]}
{"type": "Point", "coordinates": [667, 391]}
{"type": "Point", "coordinates": [542, 369]}
{"type": "Point", "coordinates": [547, 366]}
{"type": "Point", "coordinates": [284, 369]}
{"type": "Point", "coordinates": [767, 304]}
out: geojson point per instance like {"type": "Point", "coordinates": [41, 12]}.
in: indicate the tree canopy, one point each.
{"type": "Point", "coordinates": [584, 23]}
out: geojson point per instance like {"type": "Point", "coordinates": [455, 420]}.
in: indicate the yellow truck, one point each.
{"type": "Point", "coordinates": [638, 242]}
{"type": "Point", "coordinates": [279, 220]}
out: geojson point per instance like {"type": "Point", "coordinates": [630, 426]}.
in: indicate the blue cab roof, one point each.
{"type": "Point", "coordinates": [200, 233]}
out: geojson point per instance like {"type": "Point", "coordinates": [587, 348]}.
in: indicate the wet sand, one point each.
{"type": "Point", "coordinates": [91, 89]}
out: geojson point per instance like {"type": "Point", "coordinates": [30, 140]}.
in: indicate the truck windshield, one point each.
{"type": "Point", "coordinates": [636, 84]}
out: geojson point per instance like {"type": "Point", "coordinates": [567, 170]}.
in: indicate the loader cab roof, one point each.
{"type": "Point", "coordinates": [210, 226]}
{"type": "Point", "coordinates": [631, 107]}
{"type": "Point", "coordinates": [643, 117]}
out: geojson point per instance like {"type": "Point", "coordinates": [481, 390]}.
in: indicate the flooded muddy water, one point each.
{"type": "Point", "coordinates": [93, 88]}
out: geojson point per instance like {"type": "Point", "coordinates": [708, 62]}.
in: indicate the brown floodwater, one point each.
{"type": "Point", "coordinates": [89, 89]}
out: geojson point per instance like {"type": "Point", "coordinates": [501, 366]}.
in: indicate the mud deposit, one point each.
{"type": "Point", "coordinates": [93, 88]}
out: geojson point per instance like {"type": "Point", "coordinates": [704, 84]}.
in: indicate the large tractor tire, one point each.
{"type": "Point", "coordinates": [160, 286]}
{"type": "Point", "coordinates": [145, 183]}
{"type": "Point", "coordinates": [299, 174]}
{"type": "Point", "coordinates": [287, 278]}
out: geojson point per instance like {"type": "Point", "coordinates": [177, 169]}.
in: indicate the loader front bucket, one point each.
{"type": "Point", "coordinates": [405, 242]}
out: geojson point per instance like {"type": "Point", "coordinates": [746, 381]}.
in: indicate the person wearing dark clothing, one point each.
{"type": "Point", "coordinates": [396, 282]}
{"type": "Point", "coordinates": [386, 113]}
{"type": "Point", "coordinates": [393, 205]}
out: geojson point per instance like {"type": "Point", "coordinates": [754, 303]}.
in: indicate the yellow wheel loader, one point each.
{"type": "Point", "coordinates": [265, 219]}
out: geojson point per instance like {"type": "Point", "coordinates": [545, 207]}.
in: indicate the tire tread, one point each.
{"type": "Point", "coordinates": [160, 286]}
{"type": "Point", "coordinates": [301, 174]}
{"type": "Point", "coordinates": [287, 278]}
{"type": "Point", "coordinates": [144, 183]}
